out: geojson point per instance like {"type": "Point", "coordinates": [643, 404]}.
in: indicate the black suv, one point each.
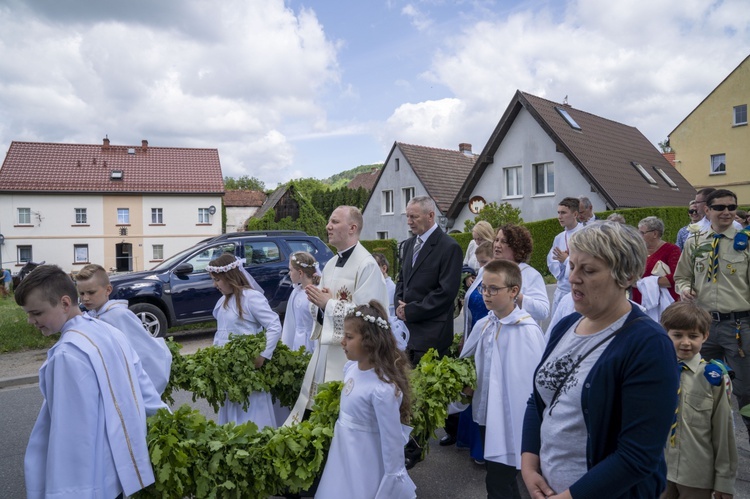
{"type": "Point", "coordinates": [180, 291]}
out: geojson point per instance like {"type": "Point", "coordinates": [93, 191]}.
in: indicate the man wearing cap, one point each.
{"type": "Point", "coordinates": [714, 270]}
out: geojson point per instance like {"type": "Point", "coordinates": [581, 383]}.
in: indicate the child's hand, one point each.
{"type": "Point", "coordinates": [468, 391]}
{"type": "Point", "coordinates": [469, 281]}
{"type": "Point", "coordinates": [259, 360]}
{"type": "Point", "coordinates": [722, 495]}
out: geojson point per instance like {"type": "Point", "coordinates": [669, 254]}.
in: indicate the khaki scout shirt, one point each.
{"type": "Point", "coordinates": [705, 452]}
{"type": "Point", "coordinates": [731, 291]}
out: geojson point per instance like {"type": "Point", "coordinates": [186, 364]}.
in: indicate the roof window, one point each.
{"type": "Point", "coordinates": [131, 150]}
{"type": "Point", "coordinates": [116, 175]}
{"type": "Point", "coordinates": [666, 178]}
{"type": "Point", "coordinates": [565, 114]}
{"type": "Point", "coordinates": [643, 173]}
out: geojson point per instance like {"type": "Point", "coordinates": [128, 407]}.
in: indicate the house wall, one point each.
{"type": "Point", "coordinates": [394, 224]}
{"type": "Point", "coordinates": [237, 216]}
{"type": "Point", "coordinates": [525, 145]}
{"type": "Point", "coordinates": [709, 130]}
{"type": "Point", "coordinates": [53, 232]}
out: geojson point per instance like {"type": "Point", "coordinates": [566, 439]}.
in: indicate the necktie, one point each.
{"type": "Point", "coordinates": [417, 247]}
{"type": "Point", "coordinates": [713, 264]}
{"type": "Point", "coordinates": [673, 430]}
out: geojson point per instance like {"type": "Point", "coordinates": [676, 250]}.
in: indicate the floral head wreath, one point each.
{"type": "Point", "coordinates": [304, 265]}
{"type": "Point", "coordinates": [382, 323]}
{"type": "Point", "coordinates": [227, 267]}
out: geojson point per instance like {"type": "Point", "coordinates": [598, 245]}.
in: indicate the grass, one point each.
{"type": "Point", "coordinates": [16, 333]}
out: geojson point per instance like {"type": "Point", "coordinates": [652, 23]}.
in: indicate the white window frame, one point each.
{"type": "Point", "coordinates": [718, 164]}
{"type": "Point", "coordinates": [81, 253]}
{"type": "Point", "coordinates": [383, 234]}
{"type": "Point", "coordinates": [548, 171]}
{"type": "Point", "coordinates": [204, 216]}
{"type": "Point", "coordinates": [157, 216]}
{"type": "Point", "coordinates": [646, 175]}
{"type": "Point", "coordinates": [513, 180]}
{"type": "Point", "coordinates": [408, 193]}
{"type": "Point", "coordinates": [157, 251]}
{"type": "Point", "coordinates": [387, 202]}
{"type": "Point", "coordinates": [739, 112]}
{"type": "Point", "coordinates": [82, 217]}
{"type": "Point", "coordinates": [24, 216]}
{"type": "Point", "coordinates": [21, 248]}
{"type": "Point", "coordinates": [123, 216]}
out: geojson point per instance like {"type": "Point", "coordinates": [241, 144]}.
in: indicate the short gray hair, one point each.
{"type": "Point", "coordinates": [426, 204]}
{"type": "Point", "coordinates": [652, 223]}
{"type": "Point", "coordinates": [620, 246]}
{"type": "Point", "coordinates": [585, 203]}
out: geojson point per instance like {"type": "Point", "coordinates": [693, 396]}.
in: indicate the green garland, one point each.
{"type": "Point", "coordinates": [195, 457]}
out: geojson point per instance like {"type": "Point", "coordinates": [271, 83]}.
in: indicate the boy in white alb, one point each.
{"type": "Point", "coordinates": [89, 439]}
{"type": "Point", "coordinates": [94, 288]}
{"type": "Point", "coordinates": [557, 258]}
{"type": "Point", "coordinates": [506, 345]}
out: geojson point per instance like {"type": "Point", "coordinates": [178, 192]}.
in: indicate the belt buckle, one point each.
{"type": "Point", "coordinates": [716, 316]}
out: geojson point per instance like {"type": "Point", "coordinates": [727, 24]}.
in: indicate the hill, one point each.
{"type": "Point", "coordinates": [341, 179]}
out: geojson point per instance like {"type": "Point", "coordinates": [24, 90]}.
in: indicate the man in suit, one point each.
{"type": "Point", "coordinates": [426, 290]}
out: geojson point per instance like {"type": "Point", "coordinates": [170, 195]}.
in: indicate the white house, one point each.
{"type": "Point", "coordinates": [542, 151]}
{"type": "Point", "coordinates": [240, 205]}
{"type": "Point", "coordinates": [124, 207]}
{"type": "Point", "coordinates": [410, 171]}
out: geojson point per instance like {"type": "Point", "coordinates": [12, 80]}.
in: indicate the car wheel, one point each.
{"type": "Point", "coordinates": [153, 319]}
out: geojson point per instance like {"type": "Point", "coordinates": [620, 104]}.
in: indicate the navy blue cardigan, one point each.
{"type": "Point", "coordinates": [628, 402]}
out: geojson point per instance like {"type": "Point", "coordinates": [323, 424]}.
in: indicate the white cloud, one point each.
{"type": "Point", "coordinates": [417, 18]}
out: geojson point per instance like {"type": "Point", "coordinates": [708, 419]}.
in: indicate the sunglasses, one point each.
{"type": "Point", "coordinates": [692, 212]}
{"type": "Point", "coordinates": [722, 207]}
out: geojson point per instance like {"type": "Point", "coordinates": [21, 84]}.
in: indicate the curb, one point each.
{"type": "Point", "coordinates": [18, 381]}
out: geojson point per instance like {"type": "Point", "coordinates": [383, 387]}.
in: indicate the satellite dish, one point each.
{"type": "Point", "coordinates": [211, 210]}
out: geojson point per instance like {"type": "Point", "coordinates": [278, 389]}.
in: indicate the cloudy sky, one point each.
{"type": "Point", "coordinates": [288, 89]}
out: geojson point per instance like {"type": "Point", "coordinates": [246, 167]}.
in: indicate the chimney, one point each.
{"type": "Point", "coordinates": [105, 143]}
{"type": "Point", "coordinates": [144, 145]}
{"type": "Point", "coordinates": [465, 148]}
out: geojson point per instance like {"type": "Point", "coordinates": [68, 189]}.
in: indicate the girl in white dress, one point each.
{"type": "Point", "coordinates": [243, 310]}
{"type": "Point", "coordinates": [366, 458]}
{"type": "Point", "coordinates": [298, 321]}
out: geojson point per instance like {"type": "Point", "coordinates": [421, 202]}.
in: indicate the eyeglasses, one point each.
{"type": "Point", "coordinates": [692, 212]}
{"type": "Point", "coordinates": [491, 290]}
{"type": "Point", "coordinates": [644, 233]}
{"type": "Point", "coordinates": [722, 207]}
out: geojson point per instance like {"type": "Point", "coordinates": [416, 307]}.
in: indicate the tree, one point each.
{"type": "Point", "coordinates": [244, 183]}
{"type": "Point", "coordinates": [496, 215]}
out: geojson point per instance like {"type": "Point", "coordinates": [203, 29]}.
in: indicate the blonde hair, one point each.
{"type": "Point", "coordinates": [484, 230]}
{"type": "Point", "coordinates": [305, 263]}
{"type": "Point", "coordinates": [234, 277]}
{"type": "Point", "coordinates": [484, 249]}
{"type": "Point", "coordinates": [93, 271]}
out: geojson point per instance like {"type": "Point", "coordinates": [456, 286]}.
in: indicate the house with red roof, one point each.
{"type": "Point", "coordinates": [409, 171]}
{"type": "Point", "coordinates": [124, 207]}
{"type": "Point", "coordinates": [240, 206]}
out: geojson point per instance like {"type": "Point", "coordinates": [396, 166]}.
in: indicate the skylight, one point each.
{"type": "Point", "coordinates": [643, 173]}
{"type": "Point", "coordinates": [565, 114]}
{"type": "Point", "coordinates": [116, 175]}
{"type": "Point", "coordinates": [666, 178]}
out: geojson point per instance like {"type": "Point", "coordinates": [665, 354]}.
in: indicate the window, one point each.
{"type": "Point", "coordinates": [566, 115]}
{"type": "Point", "coordinates": [408, 193]}
{"type": "Point", "coordinates": [718, 163]}
{"type": "Point", "coordinates": [157, 251]}
{"type": "Point", "coordinates": [296, 246]}
{"type": "Point", "coordinates": [387, 203]}
{"type": "Point", "coordinates": [383, 235]}
{"type": "Point", "coordinates": [257, 252]}
{"type": "Point", "coordinates": [157, 216]}
{"type": "Point", "coordinates": [123, 215]}
{"type": "Point", "coordinates": [203, 216]}
{"type": "Point", "coordinates": [81, 216]}
{"type": "Point", "coordinates": [398, 165]}
{"type": "Point", "coordinates": [80, 253]}
{"type": "Point", "coordinates": [740, 115]}
{"type": "Point", "coordinates": [512, 178]}
{"type": "Point", "coordinates": [24, 216]}
{"type": "Point", "coordinates": [24, 254]}
{"type": "Point", "coordinates": [666, 178]}
{"type": "Point", "coordinates": [544, 178]}
{"type": "Point", "coordinates": [651, 180]}
{"type": "Point", "coordinates": [201, 260]}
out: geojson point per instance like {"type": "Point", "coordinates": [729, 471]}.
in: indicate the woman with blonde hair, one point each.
{"type": "Point", "coordinates": [481, 232]}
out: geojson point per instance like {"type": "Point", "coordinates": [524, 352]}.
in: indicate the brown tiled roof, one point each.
{"type": "Point", "coordinates": [441, 171]}
{"type": "Point", "coordinates": [47, 167]}
{"type": "Point", "coordinates": [240, 198]}
{"type": "Point", "coordinates": [602, 150]}
{"type": "Point", "coordinates": [365, 180]}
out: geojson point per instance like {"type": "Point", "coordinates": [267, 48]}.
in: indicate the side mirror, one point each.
{"type": "Point", "coordinates": [183, 268]}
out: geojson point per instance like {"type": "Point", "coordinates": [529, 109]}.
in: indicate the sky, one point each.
{"type": "Point", "coordinates": [290, 89]}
